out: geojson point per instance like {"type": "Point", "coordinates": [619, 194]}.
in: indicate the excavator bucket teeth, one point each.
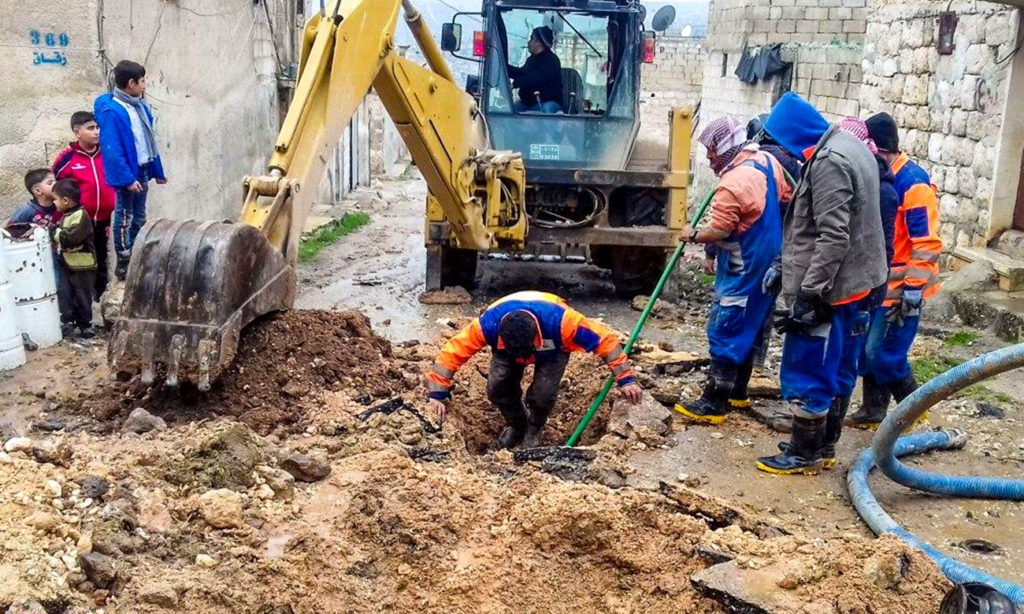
{"type": "Point", "coordinates": [191, 289]}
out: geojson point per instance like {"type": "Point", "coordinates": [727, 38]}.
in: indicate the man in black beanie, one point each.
{"type": "Point", "coordinates": [539, 80]}
{"type": "Point", "coordinates": [913, 277]}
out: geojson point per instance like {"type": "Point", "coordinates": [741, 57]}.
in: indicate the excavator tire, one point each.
{"type": "Point", "coordinates": [191, 289]}
{"type": "Point", "coordinates": [636, 270]}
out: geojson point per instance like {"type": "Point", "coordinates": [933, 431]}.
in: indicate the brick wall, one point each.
{"type": "Point", "coordinates": [949, 107]}
{"type": "Point", "coordinates": [674, 79]}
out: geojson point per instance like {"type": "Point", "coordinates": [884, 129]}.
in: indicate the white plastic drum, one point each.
{"type": "Point", "coordinates": [30, 272]}
{"type": "Point", "coordinates": [12, 351]}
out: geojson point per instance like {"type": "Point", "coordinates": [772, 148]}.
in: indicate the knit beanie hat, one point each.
{"type": "Point", "coordinates": [545, 35]}
{"type": "Point", "coordinates": [883, 131]}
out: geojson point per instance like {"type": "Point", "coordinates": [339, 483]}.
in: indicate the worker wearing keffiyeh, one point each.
{"type": "Point", "coordinates": [746, 228]}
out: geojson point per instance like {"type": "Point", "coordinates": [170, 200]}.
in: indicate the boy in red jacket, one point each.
{"type": "Point", "coordinates": [82, 161]}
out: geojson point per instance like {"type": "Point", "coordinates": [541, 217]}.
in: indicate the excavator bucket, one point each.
{"type": "Point", "coordinates": [191, 289]}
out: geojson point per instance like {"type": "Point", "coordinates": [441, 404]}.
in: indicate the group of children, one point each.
{"type": "Point", "coordinates": [97, 187]}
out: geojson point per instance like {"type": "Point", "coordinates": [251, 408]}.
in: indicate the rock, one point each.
{"type": "Point", "coordinates": [305, 468]}
{"type": "Point", "coordinates": [141, 421]}
{"type": "Point", "coordinates": [205, 560]}
{"type": "Point", "coordinates": [50, 425]}
{"type": "Point", "coordinates": [159, 594]}
{"type": "Point", "coordinates": [977, 275]}
{"type": "Point", "coordinates": [278, 479]}
{"type": "Point", "coordinates": [226, 458]}
{"type": "Point", "coordinates": [84, 543]}
{"type": "Point", "coordinates": [646, 416]}
{"type": "Point", "coordinates": [54, 488]}
{"type": "Point", "coordinates": [43, 521]}
{"type": "Point", "coordinates": [18, 444]}
{"type": "Point", "coordinates": [55, 453]}
{"type": "Point", "coordinates": [94, 487]}
{"type": "Point", "coordinates": [8, 431]}
{"type": "Point", "coordinates": [265, 492]}
{"type": "Point", "coordinates": [26, 607]}
{"type": "Point", "coordinates": [98, 568]}
{"type": "Point", "coordinates": [884, 570]}
{"type": "Point", "coordinates": [221, 509]}
{"type": "Point", "coordinates": [661, 309]}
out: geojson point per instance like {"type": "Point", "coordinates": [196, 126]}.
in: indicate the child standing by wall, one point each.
{"type": "Point", "coordinates": [130, 155]}
{"type": "Point", "coordinates": [83, 162]}
{"type": "Point", "coordinates": [74, 237]}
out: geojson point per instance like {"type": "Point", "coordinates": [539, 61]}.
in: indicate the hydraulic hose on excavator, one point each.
{"type": "Point", "coordinates": [888, 446]}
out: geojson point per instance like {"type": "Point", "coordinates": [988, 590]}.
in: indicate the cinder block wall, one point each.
{"type": "Point", "coordinates": [674, 79]}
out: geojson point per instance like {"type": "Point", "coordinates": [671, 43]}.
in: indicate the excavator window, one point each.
{"type": "Point", "coordinates": [582, 45]}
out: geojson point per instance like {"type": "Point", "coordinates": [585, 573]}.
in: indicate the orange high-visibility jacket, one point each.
{"type": "Point", "coordinates": [561, 329]}
{"type": "Point", "coordinates": [916, 243]}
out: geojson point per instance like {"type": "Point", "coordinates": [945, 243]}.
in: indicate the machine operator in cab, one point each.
{"type": "Point", "coordinates": [539, 80]}
{"type": "Point", "coordinates": [522, 329]}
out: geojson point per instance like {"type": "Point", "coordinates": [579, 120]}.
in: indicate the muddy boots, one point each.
{"type": "Point", "coordinates": [121, 268]}
{"type": "Point", "coordinates": [803, 455]}
{"type": "Point", "coordinates": [740, 397]}
{"type": "Point", "coordinates": [713, 404]}
{"type": "Point", "coordinates": [535, 421]}
{"type": "Point", "coordinates": [873, 406]}
{"type": "Point", "coordinates": [513, 434]}
{"type": "Point", "coordinates": [833, 429]}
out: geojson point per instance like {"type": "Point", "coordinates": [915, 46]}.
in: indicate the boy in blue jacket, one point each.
{"type": "Point", "coordinates": [130, 155]}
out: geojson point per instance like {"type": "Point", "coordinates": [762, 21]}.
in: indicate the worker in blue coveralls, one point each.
{"type": "Point", "coordinates": [833, 255]}
{"type": "Point", "coordinates": [746, 228]}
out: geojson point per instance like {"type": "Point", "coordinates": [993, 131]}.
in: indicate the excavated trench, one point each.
{"type": "Point", "coordinates": [418, 517]}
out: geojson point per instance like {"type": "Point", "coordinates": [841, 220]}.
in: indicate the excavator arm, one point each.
{"type": "Point", "coordinates": [193, 286]}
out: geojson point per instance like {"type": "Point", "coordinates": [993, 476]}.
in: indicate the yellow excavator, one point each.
{"type": "Point", "coordinates": [193, 286]}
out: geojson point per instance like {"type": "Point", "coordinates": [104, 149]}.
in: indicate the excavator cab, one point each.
{"type": "Point", "coordinates": [596, 190]}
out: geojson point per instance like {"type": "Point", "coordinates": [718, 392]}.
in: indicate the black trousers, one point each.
{"type": "Point", "coordinates": [504, 389]}
{"type": "Point", "coordinates": [77, 289]}
{"type": "Point", "coordinates": [101, 234]}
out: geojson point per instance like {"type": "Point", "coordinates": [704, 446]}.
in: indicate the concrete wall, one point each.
{"type": "Point", "coordinates": [212, 83]}
{"type": "Point", "coordinates": [951, 107]}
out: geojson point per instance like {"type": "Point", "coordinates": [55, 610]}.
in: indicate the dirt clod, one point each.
{"type": "Point", "coordinates": [221, 509]}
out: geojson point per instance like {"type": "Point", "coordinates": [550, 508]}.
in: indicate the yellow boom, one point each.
{"type": "Point", "coordinates": [192, 286]}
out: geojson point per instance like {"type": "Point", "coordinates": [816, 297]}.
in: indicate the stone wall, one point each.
{"type": "Point", "coordinates": [674, 79]}
{"type": "Point", "coordinates": [950, 107]}
{"type": "Point", "coordinates": [212, 74]}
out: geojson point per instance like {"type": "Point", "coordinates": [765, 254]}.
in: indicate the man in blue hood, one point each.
{"type": "Point", "coordinates": [833, 254]}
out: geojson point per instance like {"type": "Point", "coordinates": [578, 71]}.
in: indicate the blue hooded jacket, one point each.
{"type": "Point", "coordinates": [795, 124]}
{"type": "Point", "coordinates": [117, 143]}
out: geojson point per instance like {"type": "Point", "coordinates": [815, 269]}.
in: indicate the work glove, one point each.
{"type": "Point", "coordinates": [771, 283]}
{"type": "Point", "coordinates": [806, 312]}
{"type": "Point", "coordinates": [910, 304]}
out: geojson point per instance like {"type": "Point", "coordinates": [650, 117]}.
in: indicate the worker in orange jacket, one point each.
{"type": "Point", "coordinates": [522, 329]}
{"type": "Point", "coordinates": [913, 278]}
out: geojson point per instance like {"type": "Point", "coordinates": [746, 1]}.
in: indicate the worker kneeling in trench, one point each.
{"type": "Point", "coordinates": [522, 329]}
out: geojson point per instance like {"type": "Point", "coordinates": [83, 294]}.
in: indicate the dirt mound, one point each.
{"type": "Point", "coordinates": [284, 363]}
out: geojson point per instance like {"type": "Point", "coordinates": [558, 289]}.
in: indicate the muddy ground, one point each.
{"type": "Point", "coordinates": [386, 510]}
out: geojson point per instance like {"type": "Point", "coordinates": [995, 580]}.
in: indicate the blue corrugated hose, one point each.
{"type": "Point", "coordinates": [888, 445]}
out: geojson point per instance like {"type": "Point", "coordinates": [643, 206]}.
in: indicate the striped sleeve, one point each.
{"type": "Point", "coordinates": [921, 215]}
{"type": "Point", "coordinates": [580, 334]}
{"type": "Point", "coordinates": [455, 353]}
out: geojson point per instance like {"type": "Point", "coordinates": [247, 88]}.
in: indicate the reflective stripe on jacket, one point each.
{"type": "Point", "coordinates": [916, 243]}
{"type": "Point", "coordinates": [562, 329]}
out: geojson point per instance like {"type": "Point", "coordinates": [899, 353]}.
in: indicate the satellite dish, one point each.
{"type": "Point", "coordinates": [663, 18]}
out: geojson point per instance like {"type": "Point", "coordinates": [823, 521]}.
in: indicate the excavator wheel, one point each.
{"type": "Point", "coordinates": [450, 266]}
{"type": "Point", "coordinates": [191, 289]}
{"type": "Point", "coordinates": [636, 270]}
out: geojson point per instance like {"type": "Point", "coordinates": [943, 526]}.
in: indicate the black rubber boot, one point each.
{"type": "Point", "coordinates": [535, 421]}
{"type": "Point", "coordinates": [803, 455]}
{"type": "Point", "coordinates": [903, 389]}
{"type": "Point", "coordinates": [833, 430]}
{"type": "Point", "coordinates": [513, 434]}
{"type": "Point", "coordinates": [873, 407]}
{"type": "Point", "coordinates": [740, 397]}
{"type": "Point", "coordinates": [713, 404]}
{"type": "Point", "coordinates": [121, 268]}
